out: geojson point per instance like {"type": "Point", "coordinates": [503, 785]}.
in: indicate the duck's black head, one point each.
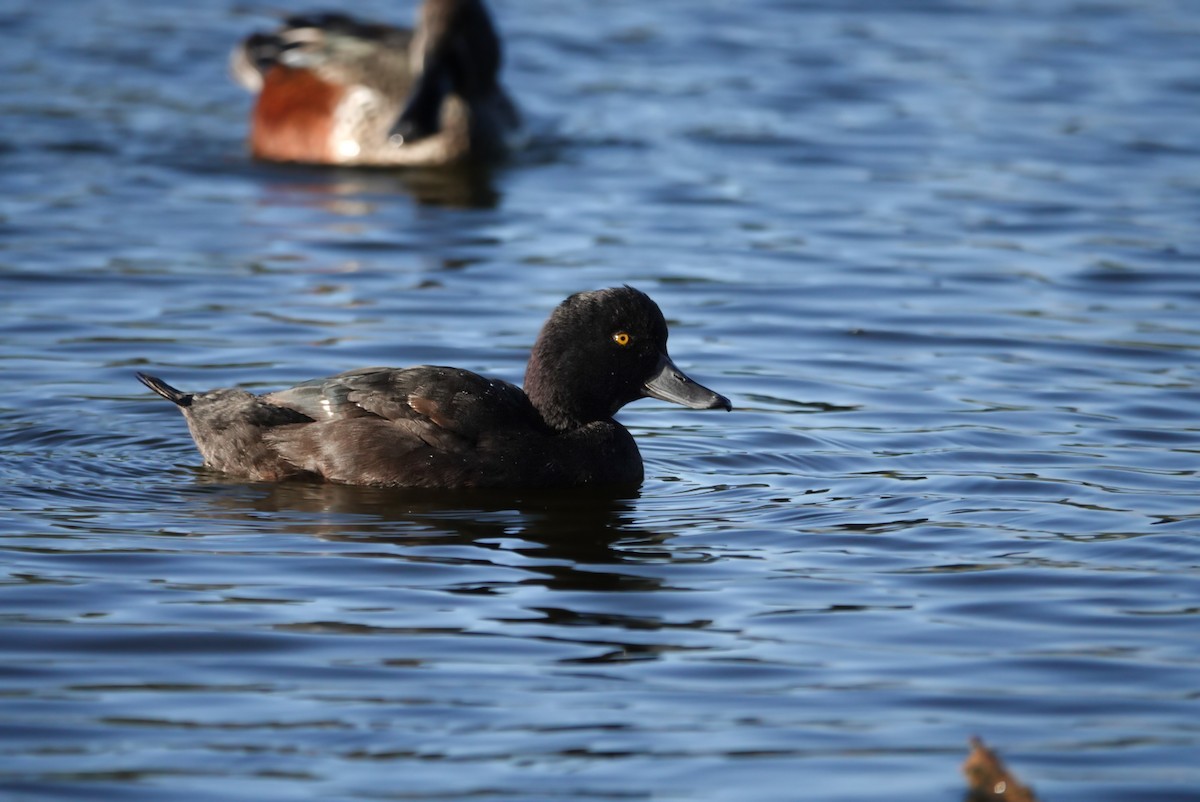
{"type": "Point", "coordinates": [600, 350]}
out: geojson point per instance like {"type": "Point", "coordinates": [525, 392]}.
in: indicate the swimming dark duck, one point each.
{"type": "Point", "coordinates": [333, 89]}
{"type": "Point", "coordinates": [439, 427]}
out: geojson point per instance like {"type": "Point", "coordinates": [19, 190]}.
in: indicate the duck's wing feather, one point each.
{"type": "Point", "coordinates": [451, 399]}
{"type": "Point", "coordinates": [425, 426]}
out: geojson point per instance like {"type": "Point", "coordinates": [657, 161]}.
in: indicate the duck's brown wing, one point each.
{"type": "Point", "coordinates": [452, 399]}
{"type": "Point", "coordinates": [419, 426]}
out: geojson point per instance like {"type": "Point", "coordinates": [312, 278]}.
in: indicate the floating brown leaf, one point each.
{"type": "Point", "coordinates": [990, 780]}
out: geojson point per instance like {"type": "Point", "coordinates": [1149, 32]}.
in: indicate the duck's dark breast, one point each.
{"type": "Point", "coordinates": [294, 117]}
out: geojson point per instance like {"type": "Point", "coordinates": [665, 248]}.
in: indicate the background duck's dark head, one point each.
{"type": "Point", "coordinates": [456, 49]}
{"type": "Point", "coordinates": [601, 350]}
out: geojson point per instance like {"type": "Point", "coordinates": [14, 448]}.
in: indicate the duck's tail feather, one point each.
{"type": "Point", "coordinates": [165, 390]}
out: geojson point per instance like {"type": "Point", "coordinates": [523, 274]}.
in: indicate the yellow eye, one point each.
{"type": "Point", "coordinates": [622, 338]}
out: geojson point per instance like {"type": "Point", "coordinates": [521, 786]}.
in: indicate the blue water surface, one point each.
{"type": "Point", "coordinates": [942, 255]}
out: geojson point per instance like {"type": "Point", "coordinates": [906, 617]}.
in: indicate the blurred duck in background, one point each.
{"type": "Point", "coordinates": [336, 90]}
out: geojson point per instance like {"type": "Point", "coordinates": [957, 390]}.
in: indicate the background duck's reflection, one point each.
{"type": "Point", "coordinates": [333, 188]}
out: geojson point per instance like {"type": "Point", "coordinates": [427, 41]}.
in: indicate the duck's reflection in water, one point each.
{"type": "Point", "coordinates": [347, 192]}
{"type": "Point", "coordinates": [571, 568]}
{"type": "Point", "coordinates": [575, 540]}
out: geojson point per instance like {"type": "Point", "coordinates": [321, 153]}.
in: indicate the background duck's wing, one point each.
{"type": "Point", "coordinates": [334, 43]}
